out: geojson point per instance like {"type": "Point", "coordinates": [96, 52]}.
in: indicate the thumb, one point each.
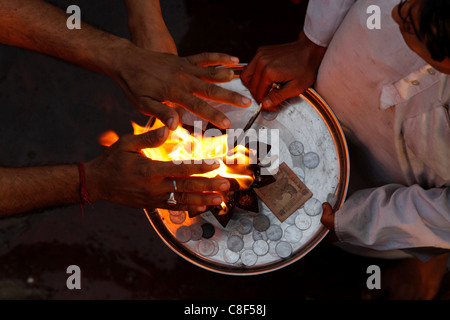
{"type": "Point", "coordinates": [327, 216]}
{"type": "Point", "coordinates": [277, 96]}
{"type": "Point", "coordinates": [150, 139]}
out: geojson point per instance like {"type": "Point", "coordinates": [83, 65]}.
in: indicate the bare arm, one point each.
{"type": "Point", "coordinates": [25, 189]}
{"type": "Point", "coordinates": [39, 26]}
{"type": "Point", "coordinates": [147, 78]}
{"type": "Point", "coordinates": [121, 174]}
{"type": "Point", "coordinates": [147, 27]}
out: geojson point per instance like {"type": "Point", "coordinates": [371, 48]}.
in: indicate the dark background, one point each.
{"type": "Point", "coordinates": [53, 112]}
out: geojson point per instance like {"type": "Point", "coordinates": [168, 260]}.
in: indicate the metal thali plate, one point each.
{"type": "Point", "coordinates": [312, 144]}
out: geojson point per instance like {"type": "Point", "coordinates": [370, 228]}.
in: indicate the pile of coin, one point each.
{"type": "Point", "coordinates": [248, 237]}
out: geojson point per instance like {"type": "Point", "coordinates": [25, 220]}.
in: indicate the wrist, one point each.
{"type": "Point", "coordinates": [92, 182]}
{"type": "Point", "coordinates": [315, 51]}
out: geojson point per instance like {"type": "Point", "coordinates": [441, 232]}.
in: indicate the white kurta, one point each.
{"type": "Point", "coordinates": [393, 104]}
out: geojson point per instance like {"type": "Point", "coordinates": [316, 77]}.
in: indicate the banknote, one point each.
{"type": "Point", "coordinates": [286, 195]}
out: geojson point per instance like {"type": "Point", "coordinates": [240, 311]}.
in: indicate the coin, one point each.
{"type": "Point", "coordinates": [269, 115]}
{"type": "Point", "coordinates": [196, 231]}
{"type": "Point", "coordinates": [206, 247]}
{"type": "Point", "coordinates": [303, 221]}
{"type": "Point", "coordinates": [259, 235]}
{"type": "Point", "coordinates": [208, 230]}
{"type": "Point", "coordinates": [283, 249]}
{"type": "Point", "coordinates": [183, 234]}
{"type": "Point", "coordinates": [291, 218]}
{"type": "Point", "coordinates": [175, 213]}
{"type": "Point", "coordinates": [230, 256]}
{"type": "Point", "coordinates": [296, 148]}
{"type": "Point", "coordinates": [235, 243]}
{"type": "Point", "coordinates": [300, 173]}
{"type": "Point", "coordinates": [245, 225]}
{"type": "Point", "coordinates": [313, 207]}
{"type": "Point", "coordinates": [311, 160]}
{"type": "Point", "coordinates": [292, 234]}
{"type": "Point", "coordinates": [260, 247]}
{"type": "Point", "coordinates": [248, 258]}
{"type": "Point", "coordinates": [274, 232]}
{"type": "Point", "coordinates": [177, 217]}
{"type": "Point", "coordinates": [261, 222]}
{"type": "Point", "coordinates": [234, 232]}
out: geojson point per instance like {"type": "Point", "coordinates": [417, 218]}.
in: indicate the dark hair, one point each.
{"type": "Point", "coordinates": [434, 26]}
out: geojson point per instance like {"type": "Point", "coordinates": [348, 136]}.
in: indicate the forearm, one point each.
{"type": "Point", "coordinates": [26, 189]}
{"type": "Point", "coordinates": [144, 15]}
{"type": "Point", "coordinates": [39, 26]}
{"type": "Point", "coordinates": [147, 27]}
{"type": "Point", "coordinates": [396, 217]}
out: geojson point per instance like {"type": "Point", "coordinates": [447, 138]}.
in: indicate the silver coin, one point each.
{"type": "Point", "coordinates": [260, 247]}
{"type": "Point", "coordinates": [245, 225]}
{"type": "Point", "coordinates": [313, 207]}
{"type": "Point", "coordinates": [216, 247]}
{"type": "Point", "coordinates": [272, 251]}
{"type": "Point", "coordinates": [291, 218]}
{"type": "Point", "coordinates": [296, 148]}
{"type": "Point", "coordinates": [230, 256]}
{"type": "Point", "coordinates": [283, 249]}
{"type": "Point", "coordinates": [299, 172]}
{"type": "Point", "coordinates": [311, 160]}
{"type": "Point", "coordinates": [248, 258]}
{"type": "Point", "coordinates": [234, 232]}
{"type": "Point", "coordinates": [196, 231]}
{"type": "Point", "coordinates": [293, 234]}
{"type": "Point", "coordinates": [183, 234]}
{"type": "Point", "coordinates": [235, 243]}
{"type": "Point", "coordinates": [303, 221]}
{"type": "Point", "coordinates": [259, 235]}
{"type": "Point", "coordinates": [261, 222]}
{"type": "Point", "coordinates": [269, 115]}
{"type": "Point", "coordinates": [178, 218]}
{"type": "Point", "coordinates": [206, 247]}
{"type": "Point", "coordinates": [274, 232]}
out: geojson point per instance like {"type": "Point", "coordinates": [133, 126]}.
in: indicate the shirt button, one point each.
{"type": "Point", "coordinates": [415, 82]}
{"type": "Point", "coordinates": [431, 71]}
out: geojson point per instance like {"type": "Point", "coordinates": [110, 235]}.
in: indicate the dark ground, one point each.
{"type": "Point", "coordinates": [52, 112]}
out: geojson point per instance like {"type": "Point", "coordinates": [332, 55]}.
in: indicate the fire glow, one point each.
{"type": "Point", "coordinates": [182, 147]}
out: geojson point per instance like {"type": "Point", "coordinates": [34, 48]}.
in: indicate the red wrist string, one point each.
{"type": "Point", "coordinates": [83, 191]}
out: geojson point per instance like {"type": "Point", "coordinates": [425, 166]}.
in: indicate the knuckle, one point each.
{"type": "Point", "coordinates": [276, 96]}
{"type": "Point", "coordinates": [211, 90]}
{"type": "Point", "coordinates": [188, 185]}
{"type": "Point", "coordinates": [182, 197]}
{"type": "Point", "coordinates": [183, 170]}
{"type": "Point", "coordinates": [213, 72]}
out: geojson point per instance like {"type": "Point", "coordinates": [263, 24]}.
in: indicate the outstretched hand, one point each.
{"type": "Point", "coordinates": [123, 175]}
{"type": "Point", "coordinates": [150, 80]}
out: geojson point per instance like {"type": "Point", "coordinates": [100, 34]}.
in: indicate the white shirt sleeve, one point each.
{"type": "Point", "coordinates": [396, 217]}
{"type": "Point", "coordinates": [323, 17]}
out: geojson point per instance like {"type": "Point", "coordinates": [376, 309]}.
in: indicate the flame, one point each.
{"type": "Point", "coordinates": [108, 138]}
{"type": "Point", "coordinates": [181, 146]}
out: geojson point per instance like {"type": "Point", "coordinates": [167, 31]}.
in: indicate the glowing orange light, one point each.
{"type": "Point", "coordinates": [181, 146]}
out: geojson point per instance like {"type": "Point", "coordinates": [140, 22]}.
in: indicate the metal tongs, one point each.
{"type": "Point", "coordinates": [275, 85]}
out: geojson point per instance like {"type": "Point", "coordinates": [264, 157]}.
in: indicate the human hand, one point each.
{"type": "Point", "coordinates": [327, 218]}
{"type": "Point", "coordinates": [150, 80]}
{"type": "Point", "coordinates": [123, 175]}
{"type": "Point", "coordinates": [294, 65]}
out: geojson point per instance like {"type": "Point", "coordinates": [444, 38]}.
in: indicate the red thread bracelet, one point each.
{"type": "Point", "coordinates": [83, 191]}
